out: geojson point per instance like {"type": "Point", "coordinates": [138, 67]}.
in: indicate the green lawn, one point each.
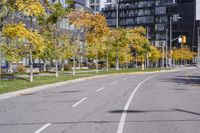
{"type": "Point", "coordinates": [23, 83]}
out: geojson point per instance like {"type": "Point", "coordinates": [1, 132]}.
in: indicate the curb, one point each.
{"type": "Point", "coordinates": [47, 86]}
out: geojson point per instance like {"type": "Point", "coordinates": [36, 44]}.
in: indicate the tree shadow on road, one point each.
{"type": "Point", "coordinates": [154, 111]}
{"type": "Point", "coordinates": [186, 80]}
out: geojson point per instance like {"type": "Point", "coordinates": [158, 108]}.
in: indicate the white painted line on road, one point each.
{"type": "Point", "coordinates": [43, 128]}
{"type": "Point", "coordinates": [124, 113]}
{"type": "Point", "coordinates": [100, 89]}
{"type": "Point", "coordinates": [124, 78]}
{"type": "Point", "coordinates": [113, 83]}
{"type": "Point", "coordinates": [79, 102]}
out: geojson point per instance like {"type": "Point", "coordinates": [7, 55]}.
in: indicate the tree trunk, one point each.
{"type": "Point", "coordinates": [107, 62]}
{"type": "Point", "coordinates": [143, 65]}
{"type": "Point", "coordinates": [44, 67]}
{"type": "Point", "coordinates": [10, 71]}
{"type": "Point", "coordinates": [31, 66]}
{"type": "Point", "coordinates": [147, 58]}
{"type": "Point", "coordinates": [62, 69]}
{"type": "Point", "coordinates": [136, 62]}
{"type": "Point", "coordinates": [56, 68]}
{"type": "Point", "coordinates": [156, 63]}
{"type": "Point", "coordinates": [79, 62]}
{"type": "Point", "coordinates": [117, 60]}
{"type": "Point", "coordinates": [97, 63]}
{"type": "Point", "coordinates": [74, 65]}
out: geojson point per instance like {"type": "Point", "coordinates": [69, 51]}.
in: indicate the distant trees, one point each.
{"type": "Point", "coordinates": [13, 31]}
{"type": "Point", "coordinates": [31, 28]}
{"type": "Point", "coordinates": [95, 28]}
{"type": "Point", "coordinates": [182, 55]}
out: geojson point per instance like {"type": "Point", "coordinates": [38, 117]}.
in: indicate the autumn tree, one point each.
{"type": "Point", "coordinates": [51, 30]}
{"type": "Point", "coordinates": [95, 27]}
{"type": "Point", "coordinates": [139, 43]}
{"type": "Point", "coordinates": [154, 54]}
{"type": "Point", "coordinates": [119, 42]}
{"type": "Point", "coordinates": [183, 54]}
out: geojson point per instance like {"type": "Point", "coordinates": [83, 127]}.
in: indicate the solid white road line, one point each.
{"type": "Point", "coordinates": [113, 83]}
{"type": "Point", "coordinates": [79, 102]}
{"type": "Point", "coordinates": [124, 113]}
{"type": "Point", "coordinates": [43, 128]}
{"type": "Point", "coordinates": [100, 89]}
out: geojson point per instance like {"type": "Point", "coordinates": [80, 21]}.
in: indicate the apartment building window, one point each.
{"type": "Point", "coordinates": [108, 1]}
{"type": "Point", "coordinates": [145, 3]}
{"type": "Point", "coordinates": [165, 2]}
{"type": "Point", "coordinates": [184, 1]}
{"type": "Point", "coordinates": [97, 8]}
{"type": "Point", "coordinates": [92, 1]}
{"type": "Point", "coordinates": [159, 27]}
{"type": "Point", "coordinates": [144, 20]}
{"type": "Point", "coordinates": [161, 36]}
{"type": "Point", "coordinates": [160, 10]}
{"type": "Point", "coordinates": [144, 12]}
{"type": "Point", "coordinates": [161, 19]}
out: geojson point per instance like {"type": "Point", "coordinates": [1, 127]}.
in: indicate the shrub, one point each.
{"type": "Point", "coordinates": [21, 69]}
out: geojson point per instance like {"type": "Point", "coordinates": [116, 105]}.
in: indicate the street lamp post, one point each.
{"type": "Point", "coordinates": [198, 46]}
{"type": "Point", "coordinates": [0, 57]}
{"type": "Point", "coordinates": [166, 46]}
{"type": "Point", "coordinates": [117, 25]}
{"type": "Point", "coordinates": [117, 14]}
{"type": "Point", "coordinates": [170, 40]}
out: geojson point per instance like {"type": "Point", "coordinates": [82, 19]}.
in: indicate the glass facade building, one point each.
{"type": "Point", "coordinates": [155, 16]}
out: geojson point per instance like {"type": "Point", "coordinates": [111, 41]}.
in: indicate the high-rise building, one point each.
{"type": "Point", "coordinates": [98, 5]}
{"type": "Point", "coordinates": [155, 16]}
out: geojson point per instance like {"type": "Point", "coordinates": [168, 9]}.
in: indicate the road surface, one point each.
{"type": "Point", "coordinates": [137, 103]}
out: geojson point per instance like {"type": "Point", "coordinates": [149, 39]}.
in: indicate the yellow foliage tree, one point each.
{"type": "Point", "coordinates": [30, 7]}
{"type": "Point", "coordinates": [95, 28]}
{"type": "Point", "coordinates": [139, 43]}
{"type": "Point", "coordinates": [13, 31]}
{"type": "Point", "coordinates": [183, 54]}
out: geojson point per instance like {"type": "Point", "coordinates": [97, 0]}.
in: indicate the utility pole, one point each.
{"type": "Point", "coordinates": [163, 55]}
{"type": "Point", "coordinates": [0, 65]}
{"type": "Point", "coordinates": [170, 39]}
{"type": "Point", "coordinates": [166, 46]}
{"type": "Point", "coordinates": [117, 14]}
{"type": "Point", "coordinates": [117, 25]}
{"type": "Point", "coordinates": [198, 55]}
{"type": "Point", "coordinates": [0, 57]}
{"type": "Point", "coordinates": [147, 54]}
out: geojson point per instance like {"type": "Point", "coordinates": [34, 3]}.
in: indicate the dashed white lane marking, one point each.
{"type": "Point", "coordinates": [79, 102]}
{"type": "Point", "coordinates": [113, 83]}
{"type": "Point", "coordinates": [43, 128]}
{"type": "Point", "coordinates": [100, 89]}
{"type": "Point", "coordinates": [124, 78]}
{"type": "Point", "coordinates": [124, 113]}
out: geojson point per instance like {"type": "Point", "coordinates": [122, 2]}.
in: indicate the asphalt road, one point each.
{"type": "Point", "coordinates": [142, 103]}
